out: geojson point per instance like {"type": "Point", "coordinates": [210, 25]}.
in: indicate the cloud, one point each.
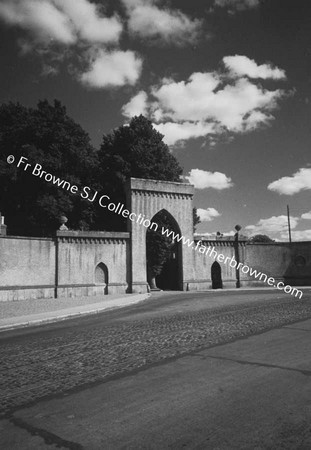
{"type": "Point", "coordinates": [147, 20]}
{"type": "Point", "coordinates": [306, 216]}
{"type": "Point", "coordinates": [239, 5]}
{"type": "Point", "coordinates": [64, 22]}
{"type": "Point", "coordinates": [48, 70]}
{"type": "Point", "coordinates": [206, 235]}
{"type": "Point", "coordinates": [81, 33]}
{"type": "Point", "coordinates": [41, 18]}
{"type": "Point", "coordinates": [301, 235]}
{"type": "Point", "coordinates": [240, 65]}
{"type": "Point", "coordinates": [208, 214]}
{"type": "Point", "coordinates": [210, 104]}
{"type": "Point", "coordinates": [299, 181]}
{"type": "Point", "coordinates": [175, 132]}
{"type": "Point", "coordinates": [89, 23]}
{"type": "Point", "coordinates": [272, 225]}
{"type": "Point", "coordinates": [202, 179]}
{"type": "Point", "coordinates": [115, 68]}
{"type": "Point", "coordinates": [136, 106]}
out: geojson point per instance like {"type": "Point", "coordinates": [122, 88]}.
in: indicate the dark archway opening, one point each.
{"type": "Point", "coordinates": [101, 276]}
{"type": "Point", "coordinates": [164, 254]}
{"type": "Point", "coordinates": [216, 276]}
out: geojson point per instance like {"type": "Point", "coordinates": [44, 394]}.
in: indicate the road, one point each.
{"type": "Point", "coordinates": [218, 370]}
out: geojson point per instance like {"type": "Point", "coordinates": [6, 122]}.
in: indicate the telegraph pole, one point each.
{"type": "Point", "coordinates": [289, 231]}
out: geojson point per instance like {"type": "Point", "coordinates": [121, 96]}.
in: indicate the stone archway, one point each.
{"type": "Point", "coordinates": [145, 198]}
{"type": "Point", "coordinates": [102, 276]}
{"type": "Point", "coordinates": [216, 276]}
{"type": "Point", "coordinates": [164, 255]}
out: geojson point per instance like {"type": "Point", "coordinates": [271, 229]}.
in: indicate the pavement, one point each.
{"type": "Point", "coordinates": [253, 393]}
{"type": "Point", "coordinates": [32, 312]}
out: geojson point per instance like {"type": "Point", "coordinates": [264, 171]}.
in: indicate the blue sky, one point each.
{"type": "Point", "coordinates": [226, 81]}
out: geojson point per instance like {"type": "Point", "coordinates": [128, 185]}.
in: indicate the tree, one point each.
{"type": "Point", "coordinates": [134, 150]}
{"type": "Point", "coordinates": [46, 136]}
{"type": "Point", "coordinates": [260, 238]}
{"type": "Point", "coordinates": [137, 150]}
{"type": "Point", "coordinates": [158, 250]}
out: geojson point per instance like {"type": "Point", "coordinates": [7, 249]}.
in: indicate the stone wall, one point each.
{"type": "Point", "coordinates": [288, 262]}
{"type": "Point", "coordinates": [27, 267]}
{"type": "Point", "coordinates": [78, 263]}
{"type": "Point", "coordinates": [72, 264]}
{"type": "Point", "coordinates": [284, 261]}
{"type": "Point", "coordinates": [79, 253]}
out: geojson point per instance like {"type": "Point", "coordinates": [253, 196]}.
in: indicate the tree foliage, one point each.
{"type": "Point", "coordinates": [159, 246]}
{"type": "Point", "coordinates": [47, 136]}
{"type": "Point", "coordinates": [134, 150]}
{"type": "Point", "coordinates": [261, 238]}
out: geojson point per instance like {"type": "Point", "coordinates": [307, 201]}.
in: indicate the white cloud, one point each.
{"type": "Point", "coordinates": [272, 225]}
{"type": "Point", "coordinates": [299, 181]}
{"type": "Point", "coordinates": [41, 18]}
{"type": "Point", "coordinates": [136, 106]}
{"type": "Point", "coordinates": [203, 97]}
{"type": "Point", "coordinates": [78, 31]}
{"type": "Point", "coordinates": [206, 235]}
{"type": "Point", "coordinates": [115, 68]}
{"type": "Point", "coordinates": [210, 104]}
{"type": "Point", "coordinates": [306, 216]}
{"type": "Point", "coordinates": [65, 22]}
{"type": "Point", "coordinates": [208, 214]}
{"type": "Point", "coordinates": [237, 4]}
{"type": "Point", "coordinates": [302, 235]}
{"type": "Point", "coordinates": [202, 179]}
{"type": "Point", "coordinates": [89, 23]}
{"type": "Point", "coordinates": [148, 20]}
{"type": "Point", "coordinates": [175, 132]}
{"type": "Point", "coordinates": [240, 65]}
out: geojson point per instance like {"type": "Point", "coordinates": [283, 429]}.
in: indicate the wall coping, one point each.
{"type": "Point", "coordinates": [170, 187]}
{"type": "Point", "coordinates": [29, 238]}
{"type": "Point", "coordinates": [244, 241]}
{"type": "Point", "coordinates": [94, 234]}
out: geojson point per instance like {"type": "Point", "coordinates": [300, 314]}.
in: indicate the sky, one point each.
{"type": "Point", "coordinates": [227, 82]}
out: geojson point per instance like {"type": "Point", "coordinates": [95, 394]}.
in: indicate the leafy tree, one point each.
{"type": "Point", "coordinates": [260, 238]}
{"type": "Point", "coordinates": [135, 150]}
{"type": "Point", "coordinates": [47, 136]}
{"type": "Point", "coordinates": [159, 247]}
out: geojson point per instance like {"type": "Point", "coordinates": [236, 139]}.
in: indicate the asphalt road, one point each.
{"type": "Point", "coordinates": [178, 371]}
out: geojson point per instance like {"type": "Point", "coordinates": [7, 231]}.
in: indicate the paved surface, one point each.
{"type": "Point", "coordinates": [155, 376]}
{"type": "Point", "coordinates": [24, 313]}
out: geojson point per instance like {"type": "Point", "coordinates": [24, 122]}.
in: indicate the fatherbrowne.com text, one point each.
{"type": "Point", "coordinates": [212, 253]}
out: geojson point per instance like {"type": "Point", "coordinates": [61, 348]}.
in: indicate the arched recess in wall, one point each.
{"type": "Point", "coordinates": [102, 276]}
{"type": "Point", "coordinates": [164, 255]}
{"type": "Point", "coordinates": [216, 276]}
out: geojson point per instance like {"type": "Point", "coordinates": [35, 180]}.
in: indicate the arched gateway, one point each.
{"type": "Point", "coordinates": [147, 198]}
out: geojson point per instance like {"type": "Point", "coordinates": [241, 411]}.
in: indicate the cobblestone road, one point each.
{"type": "Point", "coordinates": [33, 367]}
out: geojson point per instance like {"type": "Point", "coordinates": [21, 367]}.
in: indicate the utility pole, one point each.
{"type": "Point", "coordinates": [289, 231]}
